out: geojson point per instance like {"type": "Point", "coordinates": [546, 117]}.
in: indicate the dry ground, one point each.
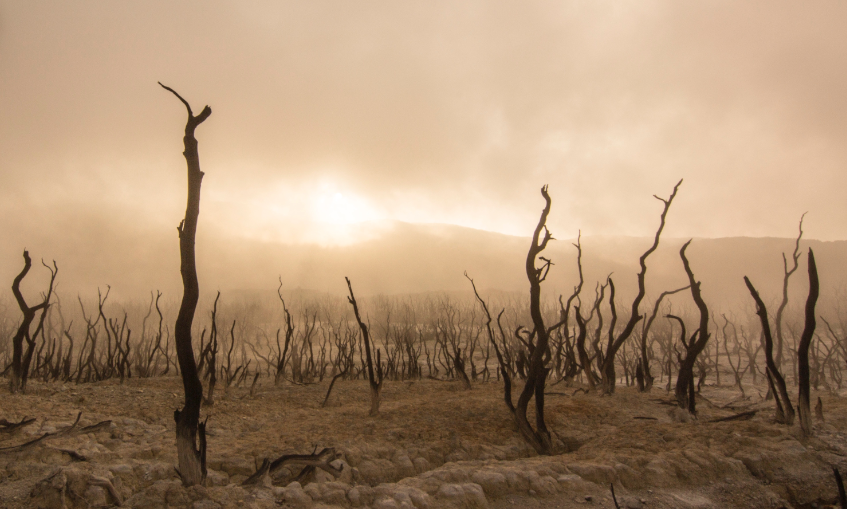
{"type": "Point", "coordinates": [433, 445]}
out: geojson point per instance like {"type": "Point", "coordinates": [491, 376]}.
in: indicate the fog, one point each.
{"type": "Point", "coordinates": [337, 124]}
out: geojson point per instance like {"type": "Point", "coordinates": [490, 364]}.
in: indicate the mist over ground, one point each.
{"type": "Point", "coordinates": [403, 258]}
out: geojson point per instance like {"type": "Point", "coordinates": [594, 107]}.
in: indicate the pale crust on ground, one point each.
{"type": "Point", "coordinates": [429, 437]}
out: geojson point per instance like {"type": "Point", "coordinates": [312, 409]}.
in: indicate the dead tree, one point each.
{"type": "Point", "coordinates": [39, 329]}
{"type": "Point", "coordinates": [375, 377]}
{"type": "Point", "coordinates": [608, 365]}
{"type": "Point", "coordinates": [737, 372]}
{"type": "Point", "coordinates": [539, 352]}
{"type": "Point", "coordinates": [504, 368]}
{"type": "Point", "coordinates": [784, 409]}
{"type": "Point", "coordinates": [803, 349]}
{"type": "Point", "coordinates": [229, 375]}
{"type": "Point", "coordinates": [567, 364]}
{"type": "Point", "coordinates": [166, 350]}
{"type": "Point", "coordinates": [210, 355]}
{"type": "Point", "coordinates": [536, 343]}
{"type": "Point", "coordinates": [645, 379]}
{"type": "Point", "coordinates": [584, 360]}
{"type": "Point", "coordinates": [795, 257]}
{"type": "Point", "coordinates": [685, 379]}
{"type": "Point", "coordinates": [144, 359]}
{"type": "Point", "coordinates": [192, 460]}
{"type": "Point", "coordinates": [21, 360]}
{"type": "Point", "coordinates": [281, 351]}
{"type": "Point", "coordinates": [459, 364]}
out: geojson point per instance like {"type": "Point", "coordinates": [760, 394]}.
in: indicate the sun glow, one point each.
{"type": "Point", "coordinates": [323, 212]}
{"type": "Point", "coordinates": [337, 208]}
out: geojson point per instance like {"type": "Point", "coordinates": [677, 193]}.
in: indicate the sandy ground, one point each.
{"type": "Point", "coordinates": [433, 445]}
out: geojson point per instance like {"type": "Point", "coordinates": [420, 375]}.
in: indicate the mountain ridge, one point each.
{"type": "Point", "coordinates": [429, 257]}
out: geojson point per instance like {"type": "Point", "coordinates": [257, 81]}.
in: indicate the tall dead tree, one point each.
{"type": "Point", "coordinates": [537, 343]}
{"type": "Point", "coordinates": [795, 257]}
{"type": "Point", "coordinates": [375, 377]}
{"type": "Point", "coordinates": [21, 360]}
{"type": "Point", "coordinates": [685, 380]}
{"type": "Point", "coordinates": [572, 363]}
{"type": "Point", "coordinates": [784, 410]}
{"type": "Point", "coordinates": [501, 361]}
{"type": "Point", "coordinates": [192, 460]}
{"type": "Point", "coordinates": [608, 366]}
{"type": "Point", "coordinates": [539, 352]}
{"type": "Point", "coordinates": [803, 348]}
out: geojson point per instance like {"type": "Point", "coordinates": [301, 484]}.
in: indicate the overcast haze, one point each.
{"type": "Point", "coordinates": [333, 119]}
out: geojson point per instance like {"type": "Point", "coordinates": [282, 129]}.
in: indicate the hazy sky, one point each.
{"type": "Point", "coordinates": [327, 114]}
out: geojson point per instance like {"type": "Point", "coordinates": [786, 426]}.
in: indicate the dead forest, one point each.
{"type": "Point", "coordinates": [520, 356]}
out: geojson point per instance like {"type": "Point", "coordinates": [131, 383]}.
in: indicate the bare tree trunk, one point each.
{"type": "Point", "coordinates": [375, 377]}
{"type": "Point", "coordinates": [20, 362]}
{"type": "Point", "coordinates": [212, 368]}
{"type": "Point", "coordinates": [501, 361]}
{"type": "Point", "coordinates": [539, 438]}
{"type": "Point", "coordinates": [192, 461]}
{"type": "Point", "coordinates": [685, 380]}
{"type": "Point", "coordinates": [803, 348]}
{"type": "Point", "coordinates": [539, 351]}
{"type": "Point", "coordinates": [784, 409]}
{"type": "Point", "coordinates": [584, 361]}
{"type": "Point", "coordinates": [607, 371]}
{"type": "Point", "coordinates": [459, 364]}
{"type": "Point", "coordinates": [645, 382]}
{"type": "Point", "coordinates": [795, 256]}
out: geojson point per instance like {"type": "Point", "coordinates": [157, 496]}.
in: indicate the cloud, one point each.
{"type": "Point", "coordinates": [436, 112]}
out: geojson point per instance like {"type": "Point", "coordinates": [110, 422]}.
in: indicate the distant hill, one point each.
{"type": "Point", "coordinates": [412, 258]}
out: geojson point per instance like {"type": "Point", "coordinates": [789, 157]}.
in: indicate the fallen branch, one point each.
{"type": "Point", "coordinates": [260, 473]}
{"type": "Point", "coordinates": [305, 476]}
{"type": "Point", "coordinates": [733, 405]}
{"type": "Point", "coordinates": [73, 454]}
{"type": "Point", "coordinates": [320, 460]}
{"type": "Point", "coordinates": [743, 416]}
{"type": "Point", "coordinates": [71, 430]}
{"type": "Point", "coordinates": [11, 427]}
{"type": "Point", "coordinates": [664, 402]}
{"type": "Point", "coordinates": [26, 445]}
{"type": "Point", "coordinates": [100, 426]}
{"type": "Point", "coordinates": [708, 402]}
